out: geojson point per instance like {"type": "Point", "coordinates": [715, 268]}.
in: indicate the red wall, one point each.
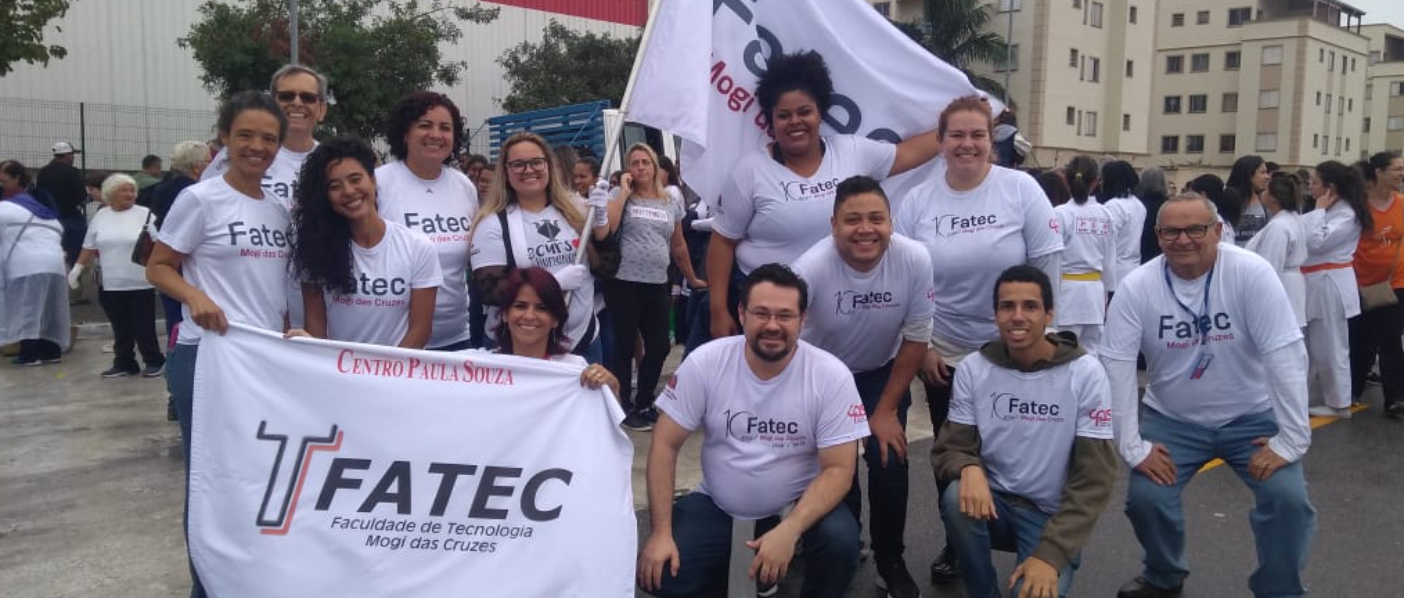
{"type": "Point", "coordinates": [627, 12]}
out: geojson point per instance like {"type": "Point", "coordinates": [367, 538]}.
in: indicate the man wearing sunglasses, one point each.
{"type": "Point", "coordinates": [1226, 363]}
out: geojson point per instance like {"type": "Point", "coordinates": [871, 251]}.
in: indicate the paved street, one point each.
{"type": "Point", "coordinates": [91, 483]}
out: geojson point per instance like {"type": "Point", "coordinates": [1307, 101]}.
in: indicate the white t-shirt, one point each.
{"type": "Point", "coordinates": [1088, 246]}
{"type": "Point", "coordinates": [550, 243]}
{"type": "Point", "coordinates": [762, 437]}
{"type": "Point", "coordinates": [1331, 238]}
{"type": "Point", "coordinates": [378, 312]}
{"type": "Point", "coordinates": [1028, 421]}
{"type": "Point", "coordinates": [443, 210]}
{"type": "Point", "coordinates": [775, 214]}
{"type": "Point", "coordinates": [236, 251]}
{"type": "Point", "coordinates": [114, 235]}
{"type": "Point", "coordinates": [1207, 379]}
{"type": "Point", "coordinates": [1128, 216]}
{"type": "Point", "coordinates": [36, 250]}
{"type": "Point", "coordinates": [279, 181]}
{"type": "Point", "coordinates": [1282, 242]}
{"type": "Point", "coordinates": [972, 236]}
{"type": "Point", "coordinates": [863, 317]}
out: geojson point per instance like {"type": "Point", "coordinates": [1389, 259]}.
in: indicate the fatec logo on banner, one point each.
{"type": "Point", "coordinates": [354, 488]}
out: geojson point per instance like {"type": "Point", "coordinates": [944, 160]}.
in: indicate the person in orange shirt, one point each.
{"type": "Point", "coordinates": [1377, 258]}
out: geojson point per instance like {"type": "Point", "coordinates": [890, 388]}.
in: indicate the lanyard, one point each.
{"type": "Point", "coordinates": [1201, 320]}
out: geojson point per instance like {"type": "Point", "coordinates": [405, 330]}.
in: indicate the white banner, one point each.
{"type": "Point", "coordinates": [336, 469]}
{"type": "Point", "coordinates": [698, 74]}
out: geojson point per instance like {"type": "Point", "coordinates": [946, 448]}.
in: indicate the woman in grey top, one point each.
{"type": "Point", "coordinates": [649, 223]}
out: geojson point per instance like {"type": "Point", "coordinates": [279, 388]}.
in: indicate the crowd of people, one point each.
{"type": "Point", "coordinates": [807, 299]}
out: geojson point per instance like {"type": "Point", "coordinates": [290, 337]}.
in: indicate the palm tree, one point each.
{"type": "Point", "coordinates": [956, 32]}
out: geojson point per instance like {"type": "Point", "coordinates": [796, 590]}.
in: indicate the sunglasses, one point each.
{"type": "Point", "coordinates": [307, 97]}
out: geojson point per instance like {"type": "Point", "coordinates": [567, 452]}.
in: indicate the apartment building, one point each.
{"type": "Point", "coordinates": [1383, 127]}
{"type": "Point", "coordinates": [1079, 73]}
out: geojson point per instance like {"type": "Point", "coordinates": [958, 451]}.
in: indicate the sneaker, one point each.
{"type": "Point", "coordinates": [650, 414]}
{"type": "Point", "coordinates": [171, 414]}
{"type": "Point", "coordinates": [22, 362]}
{"type": "Point", "coordinates": [766, 591]}
{"type": "Point", "coordinates": [115, 373]}
{"type": "Point", "coordinates": [637, 422]}
{"type": "Point", "coordinates": [945, 567]}
{"type": "Point", "coordinates": [1328, 411]}
{"type": "Point", "coordinates": [153, 371]}
{"type": "Point", "coordinates": [1395, 409]}
{"type": "Point", "coordinates": [894, 579]}
{"type": "Point", "coordinates": [53, 361]}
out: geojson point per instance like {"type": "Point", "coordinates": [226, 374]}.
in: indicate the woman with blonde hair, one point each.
{"type": "Point", "coordinates": [532, 218]}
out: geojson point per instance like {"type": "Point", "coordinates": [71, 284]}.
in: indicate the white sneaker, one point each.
{"type": "Point", "coordinates": [1328, 411]}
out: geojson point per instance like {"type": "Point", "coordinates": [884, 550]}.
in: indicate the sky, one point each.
{"type": "Point", "coordinates": [1381, 11]}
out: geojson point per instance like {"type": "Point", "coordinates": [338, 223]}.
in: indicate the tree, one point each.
{"type": "Point", "coordinates": [956, 31]}
{"type": "Point", "coordinates": [373, 52]}
{"type": "Point", "coordinates": [22, 35]}
{"type": "Point", "coordinates": [567, 67]}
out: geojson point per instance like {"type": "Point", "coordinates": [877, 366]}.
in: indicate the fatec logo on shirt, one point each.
{"type": "Point", "coordinates": [1009, 407]}
{"type": "Point", "coordinates": [949, 225]}
{"type": "Point", "coordinates": [746, 427]}
{"type": "Point", "coordinates": [847, 302]}
{"type": "Point", "coordinates": [805, 190]}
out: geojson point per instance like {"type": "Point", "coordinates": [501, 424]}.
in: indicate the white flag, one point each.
{"type": "Point", "coordinates": [337, 469]}
{"type": "Point", "coordinates": [698, 74]}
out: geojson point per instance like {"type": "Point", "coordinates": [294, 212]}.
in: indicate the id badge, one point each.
{"type": "Point", "coordinates": [1202, 366]}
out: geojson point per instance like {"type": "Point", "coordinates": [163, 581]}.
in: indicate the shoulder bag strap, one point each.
{"type": "Point", "coordinates": [507, 239]}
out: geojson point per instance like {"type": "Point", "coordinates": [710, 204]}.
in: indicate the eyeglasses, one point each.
{"type": "Point", "coordinates": [1195, 232]}
{"type": "Point", "coordinates": [307, 97]}
{"type": "Point", "coordinates": [784, 317]}
{"type": "Point", "coordinates": [520, 166]}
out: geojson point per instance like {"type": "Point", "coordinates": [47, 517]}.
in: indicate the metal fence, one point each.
{"type": "Point", "coordinates": [112, 137]}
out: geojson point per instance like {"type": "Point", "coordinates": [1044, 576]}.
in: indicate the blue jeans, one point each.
{"type": "Point", "coordinates": [171, 307]}
{"type": "Point", "coordinates": [887, 483]}
{"type": "Point", "coordinates": [1283, 519]}
{"type": "Point", "coordinates": [702, 532]}
{"type": "Point", "coordinates": [699, 321]}
{"type": "Point", "coordinates": [1017, 528]}
{"type": "Point", "coordinates": [180, 383]}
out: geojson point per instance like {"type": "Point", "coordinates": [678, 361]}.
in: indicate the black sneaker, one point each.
{"type": "Point", "coordinates": [1395, 409]}
{"type": "Point", "coordinates": [171, 414]}
{"type": "Point", "coordinates": [635, 421]}
{"type": "Point", "coordinates": [153, 371]}
{"type": "Point", "coordinates": [767, 590]}
{"type": "Point", "coordinates": [894, 579]}
{"type": "Point", "coordinates": [115, 373]}
{"type": "Point", "coordinates": [650, 414]}
{"type": "Point", "coordinates": [945, 567]}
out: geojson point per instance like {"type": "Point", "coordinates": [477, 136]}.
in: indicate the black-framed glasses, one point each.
{"type": "Point", "coordinates": [1196, 232]}
{"type": "Point", "coordinates": [784, 317]}
{"type": "Point", "coordinates": [307, 97]}
{"type": "Point", "coordinates": [520, 166]}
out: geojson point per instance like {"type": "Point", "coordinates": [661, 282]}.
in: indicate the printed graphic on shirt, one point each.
{"type": "Point", "coordinates": [849, 302]}
{"type": "Point", "coordinates": [553, 252]}
{"type": "Point", "coordinates": [1085, 225]}
{"type": "Point", "coordinates": [653, 214]}
{"type": "Point", "coordinates": [950, 225]}
{"type": "Point", "coordinates": [440, 228]}
{"type": "Point", "coordinates": [377, 292]}
{"type": "Point", "coordinates": [1009, 406]}
{"type": "Point", "coordinates": [1179, 331]}
{"type": "Point", "coordinates": [807, 190]}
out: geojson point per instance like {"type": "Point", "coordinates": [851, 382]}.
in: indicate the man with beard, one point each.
{"type": "Point", "coordinates": [782, 420]}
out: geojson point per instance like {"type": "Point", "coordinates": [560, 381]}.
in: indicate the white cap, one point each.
{"type": "Point", "coordinates": [64, 147]}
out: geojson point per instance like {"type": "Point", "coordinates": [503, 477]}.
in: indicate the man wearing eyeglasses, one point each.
{"type": "Point", "coordinates": [872, 303]}
{"type": "Point", "coordinates": [1226, 363]}
{"type": "Point", "coordinates": [781, 421]}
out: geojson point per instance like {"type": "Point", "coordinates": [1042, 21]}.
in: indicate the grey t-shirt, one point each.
{"type": "Point", "coordinates": [645, 237]}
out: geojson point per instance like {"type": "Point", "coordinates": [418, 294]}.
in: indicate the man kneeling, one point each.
{"type": "Point", "coordinates": [781, 420]}
{"type": "Point", "coordinates": [1028, 447]}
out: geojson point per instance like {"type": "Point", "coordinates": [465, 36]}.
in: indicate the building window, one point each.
{"type": "Point", "coordinates": [884, 9]}
{"type": "Point", "coordinates": [1328, 103]}
{"type": "Point", "coordinates": [1331, 66]}
{"type": "Point", "coordinates": [1170, 144]}
{"type": "Point", "coordinates": [1130, 68]}
{"type": "Point", "coordinates": [1268, 98]}
{"type": "Point", "coordinates": [1230, 102]}
{"type": "Point", "coordinates": [1089, 124]}
{"type": "Point", "coordinates": [1010, 5]}
{"type": "Point", "coordinates": [1232, 60]}
{"type": "Point", "coordinates": [1198, 103]}
{"type": "Point", "coordinates": [1272, 54]}
{"type": "Point", "coordinates": [1352, 64]}
{"type": "Point", "coordinates": [1172, 104]}
{"type": "Point", "coordinates": [1126, 122]}
{"type": "Point", "coordinates": [1094, 70]}
{"type": "Point", "coordinates": [1238, 16]}
{"type": "Point", "coordinates": [1267, 142]}
{"type": "Point", "coordinates": [1374, 57]}
{"type": "Point", "coordinates": [1201, 17]}
{"type": "Point", "coordinates": [1011, 60]}
{"type": "Point", "coordinates": [1072, 114]}
{"type": "Point", "coordinates": [1227, 144]}
{"type": "Point", "coordinates": [1344, 60]}
{"type": "Point", "coordinates": [1338, 146]}
{"type": "Point", "coordinates": [1366, 126]}
{"type": "Point", "coordinates": [1177, 19]}
{"type": "Point", "coordinates": [1321, 55]}
{"type": "Point", "coordinates": [1194, 144]}
{"type": "Point", "coordinates": [1199, 63]}
{"type": "Point", "coordinates": [1347, 150]}
{"type": "Point", "coordinates": [1395, 123]}
{"type": "Point", "coordinates": [1350, 105]}
{"type": "Point", "coordinates": [1132, 14]}
{"type": "Point", "coordinates": [1318, 98]}
{"type": "Point", "coordinates": [1175, 63]}
{"type": "Point", "coordinates": [1072, 57]}
{"type": "Point", "coordinates": [1077, 4]}
{"type": "Point", "coordinates": [1325, 146]}
{"type": "Point", "coordinates": [1340, 105]}
{"type": "Point", "coordinates": [1096, 15]}
{"type": "Point", "coordinates": [1396, 88]}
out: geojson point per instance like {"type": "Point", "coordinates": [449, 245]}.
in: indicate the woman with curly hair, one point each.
{"type": "Point", "coordinates": [1332, 298]}
{"type": "Point", "coordinates": [778, 201]}
{"type": "Point", "coordinates": [423, 192]}
{"type": "Point", "coordinates": [531, 218]}
{"type": "Point", "coordinates": [364, 279]}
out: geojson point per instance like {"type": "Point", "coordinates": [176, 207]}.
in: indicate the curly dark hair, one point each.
{"type": "Point", "coordinates": [803, 71]}
{"type": "Point", "coordinates": [408, 110]}
{"type": "Point", "coordinates": [321, 243]}
{"type": "Point", "coordinates": [1119, 179]}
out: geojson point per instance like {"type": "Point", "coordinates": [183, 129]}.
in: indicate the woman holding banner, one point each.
{"type": "Point", "coordinates": [531, 218]}
{"type": "Point", "coordinates": [223, 249]}
{"type": "Point", "coordinates": [364, 279]}
{"type": "Point", "coordinates": [532, 321]}
{"type": "Point", "coordinates": [778, 201]}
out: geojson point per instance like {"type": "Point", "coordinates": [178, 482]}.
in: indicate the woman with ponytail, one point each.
{"type": "Point", "coordinates": [1377, 259]}
{"type": "Point", "coordinates": [1333, 233]}
{"type": "Point", "coordinates": [1088, 253]}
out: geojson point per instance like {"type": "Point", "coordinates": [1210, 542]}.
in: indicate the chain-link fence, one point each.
{"type": "Point", "coordinates": [112, 137]}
